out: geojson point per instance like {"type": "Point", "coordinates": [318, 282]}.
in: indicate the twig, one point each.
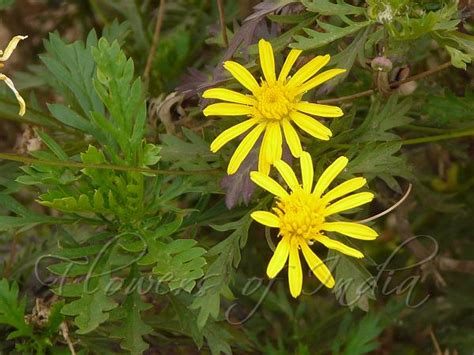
{"type": "Point", "coordinates": [435, 342]}
{"type": "Point", "coordinates": [220, 7]}
{"type": "Point", "coordinates": [65, 334]}
{"type": "Point", "coordinates": [388, 210]}
{"type": "Point", "coordinates": [156, 37]}
{"type": "Point", "coordinates": [77, 165]}
{"type": "Point", "coordinates": [392, 85]}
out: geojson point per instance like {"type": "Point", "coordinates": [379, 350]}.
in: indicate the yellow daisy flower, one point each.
{"type": "Point", "coordinates": [302, 217]}
{"type": "Point", "coordinates": [273, 106]}
{"type": "Point", "coordinates": [4, 56]}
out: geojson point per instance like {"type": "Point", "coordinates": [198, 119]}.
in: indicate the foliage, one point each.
{"type": "Point", "coordinates": [119, 228]}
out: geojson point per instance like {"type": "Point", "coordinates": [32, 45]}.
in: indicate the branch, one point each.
{"type": "Point", "coordinates": [392, 85]}
{"type": "Point", "coordinates": [156, 37]}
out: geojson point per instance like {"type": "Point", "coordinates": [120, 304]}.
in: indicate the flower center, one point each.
{"type": "Point", "coordinates": [300, 215]}
{"type": "Point", "coordinates": [274, 101]}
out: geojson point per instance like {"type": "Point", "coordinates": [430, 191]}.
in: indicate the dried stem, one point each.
{"type": "Point", "coordinates": [220, 7]}
{"type": "Point", "coordinates": [392, 85]}
{"type": "Point", "coordinates": [154, 43]}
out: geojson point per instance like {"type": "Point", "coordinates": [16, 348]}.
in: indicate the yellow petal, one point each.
{"type": "Point", "coordinates": [229, 95]}
{"type": "Point", "coordinates": [329, 175]}
{"type": "Point", "coordinates": [295, 273]}
{"type": "Point", "coordinates": [307, 171]}
{"type": "Point", "coordinates": [267, 61]}
{"type": "Point", "coordinates": [317, 266]}
{"type": "Point", "coordinates": [263, 164]}
{"type": "Point", "coordinates": [345, 188]}
{"type": "Point", "coordinates": [267, 183]}
{"type": "Point", "coordinates": [349, 202]}
{"type": "Point", "coordinates": [232, 133]}
{"type": "Point", "coordinates": [278, 260]}
{"type": "Point", "coordinates": [287, 174]}
{"type": "Point", "coordinates": [266, 218]}
{"type": "Point", "coordinates": [226, 109]}
{"type": "Point", "coordinates": [244, 148]}
{"type": "Point", "coordinates": [292, 138]}
{"type": "Point", "coordinates": [308, 70]}
{"type": "Point", "coordinates": [311, 126]}
{"type": "Point", "coordinates": [274, 145]}
{"type": "Point", "coordinates": [242, 75]}
{"type": "Point", "coordinates": [20, 100]}
{"type": "Point", "coordinates": [351, 229]}
{"type": "Point", "coordinates": [318, 80]}
{"type": "Point", "coordinates": [319, 110]}
{"type": "Point", "coordinates": [338, 246]}
{"type": "Point", "coordinates": [10, 48]}
{"type": "Point", "coordinates": [289, 61]}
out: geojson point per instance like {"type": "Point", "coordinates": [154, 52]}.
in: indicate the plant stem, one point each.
{"type": "Point", "coordinates": [439, 137]}
{"type": "Point", "coordinates": [220, 7]}
{"type": "Point", "coordinates": [154, 44]}
{"type": "Point", "coordinates": [392, 85]}
{"type": "Point", "coordinates": [77, 165]}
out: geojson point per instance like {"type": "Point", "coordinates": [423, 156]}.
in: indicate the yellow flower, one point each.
{"type": "Point", "coordinates": [302, 217]}
{"type": "Point", "coordinates": [4, 56]}
{"type": "Point", "coordinates": [272, 107]}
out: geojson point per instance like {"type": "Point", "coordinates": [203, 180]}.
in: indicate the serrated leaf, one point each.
{"type": "Point", "coordinates": [12, 310]}
{"type": "Point", "coordinates": [328, 8]}
{"type": "Point", "coordinates": [133, 328]}
{"type": "Point", "coordinates": [331, 33]}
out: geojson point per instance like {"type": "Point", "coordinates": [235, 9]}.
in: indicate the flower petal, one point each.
{"type": "Point", "coordinates": [278, 260]}
{"type": "Point", "coordinates": [308, 70]}
{"type": "Point", "coordinates": [20, 100]}
{"type": "Point", "coordinates": [242, 75]}
{"type": "Point", "coordinates": [267, 183]}
{"type": "Point", "coordinates": [4, 56]}
{"type": "Point", "coordinates": [267, 61]}
{"type": "Point", "coordinates": [289, 61]}
{"type": "Point", "coordinates": [292, 138]}
{"type": "Point", "coordinates": [273, 148]}
{"type": "Point", "coordinates": [244, 148]}
{"type": "Point", "coordinates": [263, 164]}
{"type": "Point", "coordinates": [338, 246]}
{"type": "Point", "coordinates": [319, 110]}
{"type": "Point", "coordinates": [266, 218]}
{"type": "Point", "coordinates": [311, 126]}
{"type": "Point", "coordinates": [307, 171]}
{"type": "Point", "coordinates": [329, 175]}
{"type": "Point", "coordinates": [231, 133]}
{"type": "Point", "coordinates": [287, 174]}
{"type": "Point", "coordinates": [318, 80]}
{"type": "Point", "coordinates": [349, 202]}
{"type": "Point", "coordinates": [229, 95]}
{"type": "Point", "coordinates": [295, 273]}
{"type": "Point", "coordinates": [226, 109]}
{"type": "Point", "coordinates": [345, 188]}
{"type": "Point", "coordinates": [317, 266]}
{"type": "Point", "coordinates": [351, 229]}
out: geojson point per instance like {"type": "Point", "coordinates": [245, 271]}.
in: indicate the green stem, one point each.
{"type": "Point", "coordinates": [77, 165]}
{"type": "Point", "coordinates": [439, 137]}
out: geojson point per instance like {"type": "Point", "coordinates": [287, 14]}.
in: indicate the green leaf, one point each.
{"type": "Point", "coordinates": [317, 39]}
{"type": "Point", "coordinates": [379, 161]}
{"type": "Point", "coordinates": [355, 286]}
{"type": "Point", "coordinates": [133, 328]}
{"type": "Point", "coordinates": [328, 8]}
{"type": "Point", "coordinates": [458, 58]}
{"type": "Point", "coordinates": [12, 310]}
{"type": "Point", "coordinates": [380, 120]}
{"type": "Point", "coordinates": [179, 263]}
{"type": "Point", "coordinates": [218, 275]}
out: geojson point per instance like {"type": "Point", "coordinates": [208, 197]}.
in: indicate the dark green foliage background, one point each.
{"type": "Point", "coordinates": [124, 194]}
